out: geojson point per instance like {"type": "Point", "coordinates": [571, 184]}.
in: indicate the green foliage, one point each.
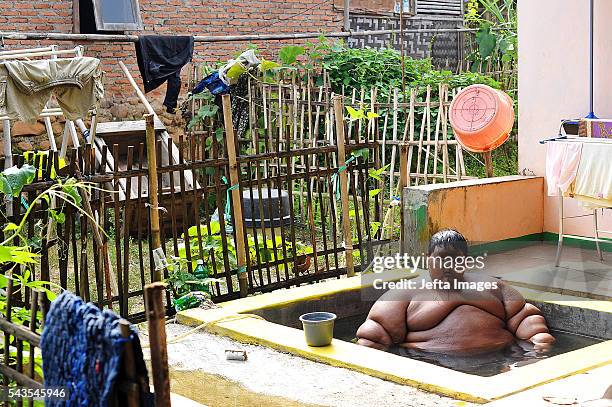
{"type": "Point", "coordinates": [378, 173]}
{"type": "Point", "coordinates": [360, 114]}
{"type": "Point", "coordinates": [18, 253]}
{"type": "Point", "coordinates": [268, 65]}
{"type": "Point", "coordinates": [496, 38]}
{"type": "Point", "coordinates": [352, 68]}
{"type": "Point", "coordinates": [289, 54]}
{"type": "Point", "coordinates": [207, 110]}
{"type": "Point", "coordinates": [13, 179]}
{"type": "Point", "coordinates": [181, 281]}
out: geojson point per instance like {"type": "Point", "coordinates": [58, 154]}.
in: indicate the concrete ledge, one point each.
{"type": "Point", "coordinates": [484, 210]}
{"type": "Point", "coordinates": [228, 321]}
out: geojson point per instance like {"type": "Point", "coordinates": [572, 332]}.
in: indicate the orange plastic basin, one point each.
{"type": "Point", "coordinates": [482, 118]}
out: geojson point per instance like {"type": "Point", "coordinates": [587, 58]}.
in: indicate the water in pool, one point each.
{"type": "Point", "coordinates": [489, 364]}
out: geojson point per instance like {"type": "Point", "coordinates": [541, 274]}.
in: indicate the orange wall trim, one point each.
{"type": "Point", "coordinates": [483, 210]}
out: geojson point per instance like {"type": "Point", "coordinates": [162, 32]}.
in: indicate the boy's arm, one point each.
{"type": "Point", "coordinates": [525, 320]}
{"type": "Point", "coordinates": [385, 326]}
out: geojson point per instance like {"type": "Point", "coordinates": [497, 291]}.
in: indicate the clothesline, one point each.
{"type": "Point", "coordinates": [13, 35]}
{"type": "Point", "coordinates": [578, 140]}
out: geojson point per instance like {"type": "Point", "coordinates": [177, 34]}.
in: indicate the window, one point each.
{"type": "Point", "coordinates": [107, 15]}
{"type": "Point", "coordinates": [115, 15]}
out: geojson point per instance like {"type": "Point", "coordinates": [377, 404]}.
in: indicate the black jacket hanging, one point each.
{"type": "Point", "coordinates": [160, 59]}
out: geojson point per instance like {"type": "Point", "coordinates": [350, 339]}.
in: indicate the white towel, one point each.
{"type": "Point", "coordinates": [593, 184]}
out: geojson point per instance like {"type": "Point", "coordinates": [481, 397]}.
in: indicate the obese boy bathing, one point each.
{"type": "Point", "coordinates": [455, 312]}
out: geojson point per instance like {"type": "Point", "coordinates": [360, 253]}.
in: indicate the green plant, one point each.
{"type": "Point", "coordinates": [364, 68]}
{"type": "Point", "coordinates": [181, 281]}
{"type": "Point", "coordinates": [496, 38]}
{"type": "Point", "coordinates": [19, 252]}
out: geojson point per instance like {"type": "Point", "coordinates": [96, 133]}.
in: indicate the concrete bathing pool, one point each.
{"type": "Point", "coordinates": [584, 342]}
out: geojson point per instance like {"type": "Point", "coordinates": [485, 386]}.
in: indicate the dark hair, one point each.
{"type": "Point", "coordinates": [449, 239]}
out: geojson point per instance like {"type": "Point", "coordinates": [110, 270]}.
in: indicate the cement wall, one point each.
{"type": "Point", "coordinates": [554, 85]}
{"type": "Point", "coordinates": [483, 210]}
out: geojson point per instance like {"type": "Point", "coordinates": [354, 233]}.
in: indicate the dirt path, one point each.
{"type": "Point", "coordinates": [216, 391]}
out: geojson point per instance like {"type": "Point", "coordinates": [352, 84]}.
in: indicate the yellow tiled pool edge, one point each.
{"type": "Point", "coordinates": [229, 322]}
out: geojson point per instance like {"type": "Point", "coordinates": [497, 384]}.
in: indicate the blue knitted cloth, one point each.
{"type": "Point", "coordinates": [81, 350]}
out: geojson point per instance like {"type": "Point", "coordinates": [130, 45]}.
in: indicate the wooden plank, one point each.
{"type": "Point", "coordinates": [117, 220]}
{"type": "Point", "coordinates": [129, 365]}
{"type": "Point", "coordinates": [126, 127]}
{"type": "Point", "coordinates": [488, 162]}
{"type": "Point", "coordinates": [19, 331]}
{"type": "Point", "coordinates": [19, 378]}
{"type": "Point", "coordinates": [156, 318]}
{"type": "Point", "coordinates": [127, 221]}
{"type": "Point", "coordinates": [236, 198]}
{"type": "Point", "coordinates": [344, 193]}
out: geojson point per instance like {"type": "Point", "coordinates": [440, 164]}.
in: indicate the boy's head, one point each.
{"type": "Point", "coordinates": [446, 255]}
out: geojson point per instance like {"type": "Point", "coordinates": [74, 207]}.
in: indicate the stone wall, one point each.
{"type": "Point", "coordinates": [444, 48]}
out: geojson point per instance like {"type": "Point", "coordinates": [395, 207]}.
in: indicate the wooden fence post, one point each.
{"type": "Point", "coordinates": [153, 198]}
{"type": "Point", "coordinates": [344, 193]}
{"type": "Point", "coordinates": [488, 161]}
{"type": "Point", "coordinates": [236, 199]}
{"type": "Point", "coordinates": [156, 318]}
{"type": "Point", "coordinates": [404, 177]}
{"type": "Point", "coordinates": [129, 366]}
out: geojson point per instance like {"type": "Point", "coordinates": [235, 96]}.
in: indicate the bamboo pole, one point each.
{"type": "Point", "coordinates": [411, 120]}
{"type": "Point", "coordinates": [109, 278]}
{"type": "Point", "coordinates": [344, 193]}
{"type": "Point", "coordinates": [236, 201]}
{"type": "Point", "coordinates": [166, 139]}
{"type": "Point", "coordinates": [156, 319]}
{"type": "Point", "coordinates": [347, 19]}
{"type": "Point", "coordinates": [15, 35]}
{"type": "Point", "coordinates": [403, 183]}
{"type": "Point", "coordinates": [422, 134]}
{"type": "Point", "coordinates": [436, 144]}
{"type": "Point", "coordinates": [445, 163]}
{"type": "Point", "coordinates": [393, 147]}
{"type": "Point", "coordinates": [402, 51]}
{"type": "Point", "coordinates": [152, 192]}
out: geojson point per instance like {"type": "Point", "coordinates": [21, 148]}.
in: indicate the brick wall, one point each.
{"type": "Point", "coordinates": [368, 6]}
{"type": "Point", "coordinates": [180, 17]}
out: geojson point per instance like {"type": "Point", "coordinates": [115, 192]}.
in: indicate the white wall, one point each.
{"type": "Point", "coordinates": [554, 84]}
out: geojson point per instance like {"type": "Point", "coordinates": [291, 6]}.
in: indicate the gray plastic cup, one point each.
{"type": "Point", "coordinates": [318, 328]}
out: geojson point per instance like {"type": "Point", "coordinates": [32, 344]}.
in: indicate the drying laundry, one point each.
{"type": "Point", "coordinates": [213, 83]}
{"type": "Point", "coordinates": [562, 161]}
{"type": "Point", "coordinates": [82, 348]}
{"type": "Point", "coordinates": [219, 82]}
{"type": "Point", "coordinates": [160, 59]}
{"type": "Point", "coordinates": [26, 86]}
{"type": "Point", "coordinates": [593, 183]}
{"type": "Point", "coordinates": [231, 72]}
